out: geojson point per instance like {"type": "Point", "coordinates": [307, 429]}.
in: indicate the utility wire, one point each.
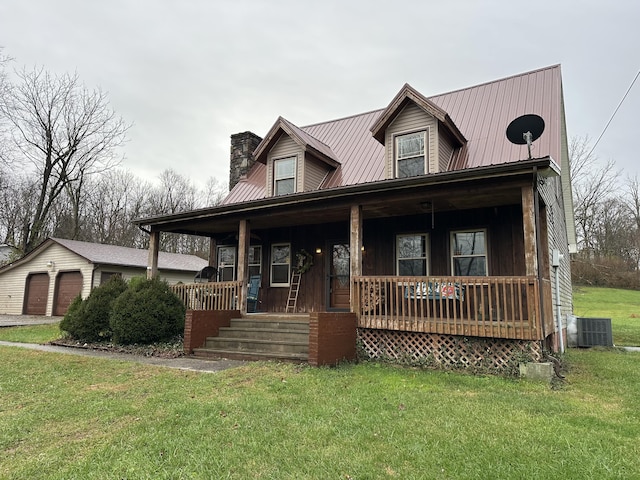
{"type": "Point", "coordinates": [614, 113]}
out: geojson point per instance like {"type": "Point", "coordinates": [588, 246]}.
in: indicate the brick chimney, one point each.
{"type": "Point", "coordinates": [242, 148]}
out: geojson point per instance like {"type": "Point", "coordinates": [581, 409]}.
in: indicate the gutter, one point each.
{"type": "Point", "coordinates": [544, 165]}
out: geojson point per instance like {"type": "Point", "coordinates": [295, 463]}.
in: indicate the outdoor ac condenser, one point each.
{"type": "Point", "coordinates": [594, 332]}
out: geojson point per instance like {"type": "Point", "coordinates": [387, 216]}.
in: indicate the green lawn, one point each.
{"type": "Point", "coordinates": [68, 417]}
{"type": "Point", "coordinates": [621, 306]}
{"type": "Point", "coordinates": [31, 333]}
{"type": "Point", "coordinates": [65, 417]}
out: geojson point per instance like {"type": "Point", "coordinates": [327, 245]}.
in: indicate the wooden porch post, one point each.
{"type": "Point", "coordinates": [152, 262]}
{"type": "Point", "coordinates": [213, 245]}
{"type": "Point", "coordinates": [529, 224]}
{"type": "Point", "coordinates": [355, 248]}
{"type": "Point", "coordinates": [243, 257]}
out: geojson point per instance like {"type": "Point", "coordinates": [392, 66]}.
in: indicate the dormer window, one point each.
{"type": "Point", "coordinates": [284, 176]}
{"type": "Point", "coordinates": [410, 154]}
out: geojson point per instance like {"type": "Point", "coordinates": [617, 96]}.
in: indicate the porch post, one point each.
{"type": "Point", "coordinates": [152, 262]}
{"type": "Point", "coordinates": [529, 225]}
{"type": "Point", "coordinates": [243, 257]}
{"type": "Point", "coordinates": [213, 244]}
{"type": "Point", "coordinates": [355, 247]}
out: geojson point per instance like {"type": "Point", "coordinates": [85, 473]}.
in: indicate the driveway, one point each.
{"type": "Point", "coordinates": [24, 320]}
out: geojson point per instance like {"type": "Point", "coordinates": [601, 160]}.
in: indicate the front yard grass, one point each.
{"type": "Point", "coordinates": [31, 333]}
{"type": "Point", "coordinates": [76, 417]}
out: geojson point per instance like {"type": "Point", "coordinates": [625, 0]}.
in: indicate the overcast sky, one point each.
{"type": "Point", "coordinates": [188, 74]}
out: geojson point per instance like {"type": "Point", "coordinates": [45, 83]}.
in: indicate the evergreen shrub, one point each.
{"type": "Point", "coordinates": [148, 311]}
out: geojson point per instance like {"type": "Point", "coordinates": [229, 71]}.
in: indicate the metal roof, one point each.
{"type": "Point", "coordinates": [481, 114]}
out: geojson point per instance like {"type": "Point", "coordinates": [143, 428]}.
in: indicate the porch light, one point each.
{"type": "Point", "coordinates": [50, 265]}
{"type": "Point", "coordinates": [318, 250]}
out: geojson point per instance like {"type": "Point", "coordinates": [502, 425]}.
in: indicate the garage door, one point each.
{"type": "Point", "coordinates": [37, 292]}
{"type": "Point", "coordinates": [68, 286]}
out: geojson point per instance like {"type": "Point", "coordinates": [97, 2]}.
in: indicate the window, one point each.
{"type": "Point", "coordinates": [226, 263]}
{"type": "Point", "coordinates": [280, 264]}
{"type": "Point", "coordinates": [284, 176]}
{"type": "Point", "coordinates": [410, 155]}
{"type": "Point", "coordinates": [412, 254]}
{"type": "Point", "coordinates": [255, 260]}
{"type": "Point", "coordinates": [469, 253]}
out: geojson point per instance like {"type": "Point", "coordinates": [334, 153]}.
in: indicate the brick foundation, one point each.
{"type": "Point", "coordinates": [200, 324]}
{"type": "Point", "coordinates": [332, 337]}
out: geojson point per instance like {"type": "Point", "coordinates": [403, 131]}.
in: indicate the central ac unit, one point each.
{"type": "Point", "coordinates": [594, 332]}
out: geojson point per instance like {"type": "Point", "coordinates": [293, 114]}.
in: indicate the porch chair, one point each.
{"type": "Point", "coordinates": [252, 293]}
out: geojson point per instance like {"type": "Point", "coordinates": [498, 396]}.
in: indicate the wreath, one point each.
{"type": "Point", "coordinates": [304, 261]}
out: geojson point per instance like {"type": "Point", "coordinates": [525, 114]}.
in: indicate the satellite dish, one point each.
{"type": "Point", "coordinates": [525, 130]}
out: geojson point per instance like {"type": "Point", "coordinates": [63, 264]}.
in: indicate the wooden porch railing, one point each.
{"type": "Point", "coordinates": [208, 296]}
{"type": "Point", "coordinates": [497, 307]}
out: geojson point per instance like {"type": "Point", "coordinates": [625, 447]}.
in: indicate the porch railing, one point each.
{"type": "Point", "coordinates": [208, 296]}
{"type": "Point", "coordinates": [497, 307]}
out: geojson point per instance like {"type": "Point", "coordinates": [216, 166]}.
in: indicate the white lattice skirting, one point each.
{"type": "Point", "coordinates": [445, 350]}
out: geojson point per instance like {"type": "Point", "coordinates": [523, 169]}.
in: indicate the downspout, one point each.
{"type": "Point", "coordinates": [556, 258]}
{"type": "Point", "coordinates": [536, 215]}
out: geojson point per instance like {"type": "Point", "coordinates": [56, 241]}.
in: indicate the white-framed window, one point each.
{"type": "Point", "coordinates": [410, 153]}
{"type": "Point", "coordinates": [255, 260]}
{"type": "Point", "coordinates": [412, 254]}
{"type": "Point", "coordinates": [469, 253]}
{"type": "Point", "coordinates": [226, 263]}
{"type": "Point", "coordinates": [280, 264]}
{"type": "Point", "coordinates": [284, 176]}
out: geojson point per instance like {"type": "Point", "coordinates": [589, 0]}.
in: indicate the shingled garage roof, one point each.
{"type": "Point", "coordinates": [122, 256]}
{"type": "Point", "coordinates": [481, 114]}
{"type": "Point", "coordinates": [131, 257]}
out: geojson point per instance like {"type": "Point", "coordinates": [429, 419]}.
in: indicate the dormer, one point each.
{"type": "Point", "coordinates": [419, 137]}
{"type": "Point", "coordinates": [295, 161]}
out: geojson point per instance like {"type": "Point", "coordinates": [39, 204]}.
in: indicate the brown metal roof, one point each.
{"type": "Point", "coordinates": [481, 114]}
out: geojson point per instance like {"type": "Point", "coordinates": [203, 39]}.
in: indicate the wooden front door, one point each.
{"type": "Point", "coordinates": [338, 277]}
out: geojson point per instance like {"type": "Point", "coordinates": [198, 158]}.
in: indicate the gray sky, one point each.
{"type": "Point", "coordinates": [188, 74]}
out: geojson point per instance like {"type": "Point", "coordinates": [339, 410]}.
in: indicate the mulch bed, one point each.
{"type": "Point", "coordinates": [173, 349]}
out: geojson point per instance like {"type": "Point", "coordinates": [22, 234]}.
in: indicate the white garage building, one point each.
{"type": "Point", "coordinates": [45, 281]}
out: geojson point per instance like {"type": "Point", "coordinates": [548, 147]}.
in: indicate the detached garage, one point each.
{"type": "Point", "coordinates": [45, 281]}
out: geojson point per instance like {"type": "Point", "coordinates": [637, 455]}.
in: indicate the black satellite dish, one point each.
{"type": "Point", "coordinates": [525, 130]}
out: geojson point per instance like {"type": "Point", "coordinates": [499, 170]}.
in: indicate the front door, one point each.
{"type": "Point", "coordinates": [338, 278]}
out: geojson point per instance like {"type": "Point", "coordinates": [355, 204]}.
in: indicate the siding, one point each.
{"type": "Point", "coordinates": [445, 151]}
{"type": "Point", "coordinates": [314, 173]}
{"type": "Point", "coordinates": [13, 281]}
{"type": "Point", "coordinates": [551, 192]}
{"type": "Point", "coordinates": [285, 147]}
{"type": "Point", "coordinates": [412, 118]}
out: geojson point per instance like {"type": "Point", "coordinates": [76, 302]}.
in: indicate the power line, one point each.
{"type": "Point", "coordinates": [614, 112]}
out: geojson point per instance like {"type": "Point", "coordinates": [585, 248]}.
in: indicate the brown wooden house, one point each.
{"type": "Point", "coordinates": [422, 229]}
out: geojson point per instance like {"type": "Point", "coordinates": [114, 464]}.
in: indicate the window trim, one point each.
{"type": "Point", "coordinates": [396, 136]}
{"type": "Point", "coordinates": [294, 177]}
{"type": "Point", "coordinates": [485, 255]}
{"type": "Point", "coordinates": [258, 263]}
{"type": "Point", "coordinates": [220, 268]}
{"type": "Point", "coordinates": [272, 264]}
{"type": "Point", "coordinates": [427, 253]}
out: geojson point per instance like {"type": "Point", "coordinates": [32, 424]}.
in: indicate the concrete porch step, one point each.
{"type": "Point", "coordinates": [237, 355]}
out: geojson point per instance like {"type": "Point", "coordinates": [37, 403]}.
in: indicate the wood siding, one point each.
{"type": "Point", "coordinates": [411, 119]}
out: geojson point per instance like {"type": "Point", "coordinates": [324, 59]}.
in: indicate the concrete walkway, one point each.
{"type": "Point", "coordinates": [181, 363]}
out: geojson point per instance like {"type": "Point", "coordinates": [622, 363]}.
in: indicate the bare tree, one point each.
{"type": "Point", "coordinates": [64, 132]}
{"type": "Point", "coordinates": [592, 184]}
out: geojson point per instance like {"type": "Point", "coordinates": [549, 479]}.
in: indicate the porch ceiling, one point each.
{"type": "Point", "coordinates": [380, 204]}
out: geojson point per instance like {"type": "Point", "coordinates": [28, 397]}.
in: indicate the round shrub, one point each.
{"type": "Point", "coordinates": [148, 311]}
{"type": "Point", "coordinates": [89, 320]}
{"type": "Point", "coordinates": [72, 321]}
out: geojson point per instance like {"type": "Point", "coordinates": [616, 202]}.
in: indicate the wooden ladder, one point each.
{"type": "Point", "coordinates": [294, 288]}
